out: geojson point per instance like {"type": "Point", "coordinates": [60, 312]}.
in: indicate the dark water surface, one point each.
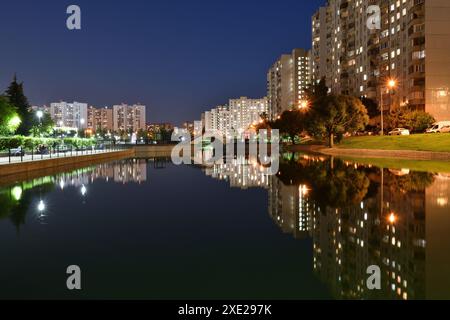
{"type": "Point", "coordinates": [149, 229]}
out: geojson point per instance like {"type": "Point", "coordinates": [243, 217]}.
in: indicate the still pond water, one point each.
{"type": "Point", "coordinates": [145, 228]}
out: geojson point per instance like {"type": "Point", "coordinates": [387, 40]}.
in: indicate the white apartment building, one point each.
{"type": "Point", "coordinates": [129, 117]}
{"type": "Point", "coordinates": [236, 118]}
{"type": "Point", "coordinates": [287, 80]}
{"type": "Point", "coordinates": [245, 112]}
{"type": "Point", "coordinates": [100, 119]}
{"type": "Point", "coordinates": [411, 47]}
{"type": "Point", "coordinates": [71, 115]}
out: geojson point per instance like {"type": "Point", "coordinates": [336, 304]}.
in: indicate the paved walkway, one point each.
{"type": "Point", "coordinates": [37, 157]}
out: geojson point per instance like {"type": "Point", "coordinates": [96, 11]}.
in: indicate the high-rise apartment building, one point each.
{"type": "Point", "coordinates": [236, 118]}
{"type": "Point", "coordinates": [244, 112]}
{"type": "Point", "coordinates": [129, 117]}
{"type": "Point", "coordinates": [287, 80]}
{"type": "Point", "coordinates": [410, 47]}
{"type": "Point", "coordinates": [100, 119]}
{"type": "Point", "coordinates": [71, 115]}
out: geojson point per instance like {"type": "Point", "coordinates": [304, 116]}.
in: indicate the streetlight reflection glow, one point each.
{"type": "Point", "coordinates": [83, 190]}
{"type": "Point", "coordinates": [41, 206]}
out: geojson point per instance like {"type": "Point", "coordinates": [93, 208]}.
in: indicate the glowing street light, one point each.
{"type": "Point", "coordinates": [303, 104]}
{"type": "Point", "coordinates": [392, 84]}
{"type": "Point", "coordinates": [14, 122]}
{"type": "Point", "coordinates": [39, 114]}
{"type": "Point", "coordinates": [392, 218]}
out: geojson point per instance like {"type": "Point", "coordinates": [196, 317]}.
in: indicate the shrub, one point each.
{"type": "Point", "coordinates": [32, 142]}
{"type": "Point", "coordinates": [11, 142]}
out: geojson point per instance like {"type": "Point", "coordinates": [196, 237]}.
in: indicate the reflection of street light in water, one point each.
{"type": "Point", "coordinates": [83, 190]}
{"type": "Point", "coordinates": [41, 206]}
{"type": "Point", "coordinates": [40, 211]}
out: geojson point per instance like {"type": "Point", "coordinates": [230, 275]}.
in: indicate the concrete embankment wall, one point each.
{"type": "Point", "coordinates": [21, 171]}
{"type": "Point", "coordinates": [42, 165]}
{"type": "Point", "coordinates": [149, 151]}
{"type": "Point", "coordinates": [393, 154]}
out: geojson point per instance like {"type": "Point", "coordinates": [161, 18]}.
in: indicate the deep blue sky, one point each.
{"type": "Point", "coordinates": [178, 57]}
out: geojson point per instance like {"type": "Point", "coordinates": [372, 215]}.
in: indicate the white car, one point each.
{"type": "Point", "coordinates": [439, 127]}
{"type": "Point", "coordinates": [399, 132]}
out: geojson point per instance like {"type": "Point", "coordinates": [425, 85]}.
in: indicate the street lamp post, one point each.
{"type": "Point", "coordinates": [391, 84]}
{"type": "Point", "coordinates": [40, 114]}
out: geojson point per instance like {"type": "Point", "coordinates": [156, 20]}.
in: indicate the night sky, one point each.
{"type": "Point", "coordinates": [178, 57]}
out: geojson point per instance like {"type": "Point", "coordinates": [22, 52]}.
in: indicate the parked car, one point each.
{"type": "Point", "coordinates": [17, 152]}
{"type": "Point", "coordinates": [399, 132]}
{"type": "Point", "coordinates": [438, 127]}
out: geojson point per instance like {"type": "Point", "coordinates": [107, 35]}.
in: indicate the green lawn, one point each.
{"type": "Point", "coordinates": [438, 142]}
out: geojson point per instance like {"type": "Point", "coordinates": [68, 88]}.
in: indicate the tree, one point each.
{"type": "Point", "coordinates": [335, 115]}
{"type": "Point", "coordinates": [42, 127]}
{"type": "Point", "coordinates": [396, 118]}
{"type": "Point", "coordinates": [17, 98]}
{"type": "Point", "coordinates": [9, 118]}
{"type": "Point", "coordinates": [291, 123]}
{"type": "Point", "coordinates": [317, 92]}
{"type": "Point", "coordinates": [418, 121]}
{"type": "Point", "coordinates": [371, 106]}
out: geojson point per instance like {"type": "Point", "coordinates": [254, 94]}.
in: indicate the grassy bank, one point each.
{"type": "Point", "coordinates": [417, 142]}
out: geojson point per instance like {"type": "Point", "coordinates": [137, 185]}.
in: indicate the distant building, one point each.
{"type": "Point", "coordinates": [245, 112]}
{"type": "Point", "coordinates": [100, 119]}
{"type": "Point", "coordinates": [129, 117]}
{"type": "Point", "coordinates": [44, 108]}
{"type": "Point", "coordinates": [235, 118]}
{"type": "Point", "coordinates": [159, 131]}
{"type": "Point", "coordinates": [198, 128]}
{"type": "Point", "coordinates": [287, 80]}
{"type": "Point", "coordinates": [158, 127]}
{"type": "Point", "coordinates": [71, 115]}
{"type": "Point", "coordinates": [189, 127]}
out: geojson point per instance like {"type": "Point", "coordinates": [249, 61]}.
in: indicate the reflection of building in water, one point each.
{"type": "Point", "coordinates": [126, 172]}
{"type": "Point", "coordinates": [240, 172]}
{"type": "Point", "coordinates": [407, 237]}
{"type": "Point", "coordinates": [348, 240]}
{"type": "Point", "coordinates": [437, 232]}
{"type": "Point", "coordinates": [289, 207]}
{"type": "Point", "coordinates": [121, 172]}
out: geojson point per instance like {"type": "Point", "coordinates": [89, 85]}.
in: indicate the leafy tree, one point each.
{"type": "Point", "coordinates": [166, 135]}
{"type": "Point", "coordinates": [17, 98]}
{"type": "Point", "coordinates": [371, 106]}
{"type": "Point", "coordinates": [396, 118]}
{"type": "Point", "coordinates": [317, 92]}
{"type": "Point", "coordinates": [9, 118]}
{"type": "Point", "coordinates": [141, 134]}
{"type": "Point", "coordinates": [335, 115]}
{"type": "Point", "coordinates": [419, 121]}
{"type": "Point", "coordinates": [43, 127]}
{"type": "Point", "coordinates": [291, 123]}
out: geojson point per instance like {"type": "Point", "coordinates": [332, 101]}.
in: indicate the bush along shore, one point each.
{"type": "Point", "coordinates": [31, 143]}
